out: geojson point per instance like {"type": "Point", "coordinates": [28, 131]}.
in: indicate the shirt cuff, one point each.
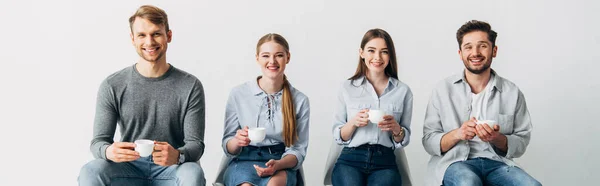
{"type": "Point", "coordinates": [337, 136]}
{"type": "Point", "coordinates": [404, 141]}
{"type": "Point", "coordinates": [229, 155]}
{"type": "Point", "coordinates": [103, 151]}
{"type": "Point", "coordinates": [299, 157]}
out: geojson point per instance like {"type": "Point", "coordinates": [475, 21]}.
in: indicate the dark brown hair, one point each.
{"type": "Point", "coordinates": [391, 70]}
{"type": "Point", "coordinates": [472, 26]}
{"type": "Point", "coordinates": [287, 104]}
{"type": "Point", "coordinates": [151, 13]}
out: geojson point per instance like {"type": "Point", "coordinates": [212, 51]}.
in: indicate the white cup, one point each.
{"type": "Point", "coordinates": [490, 123]}
{"type": "Point", "coordinates": [257, 134]}
{"type": "Point", "coordinates": [144, 147]}
{"type": "Point", "coordinates": [376, 116]}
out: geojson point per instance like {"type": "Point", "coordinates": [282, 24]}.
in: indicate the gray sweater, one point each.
{"type": "Point", "coordinates": [169, 108]}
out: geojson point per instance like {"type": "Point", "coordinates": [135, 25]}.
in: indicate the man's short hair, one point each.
{"type": "Point", "coordinates": [151, 13]}
{"type": "Point", "coordinates": [475, 25]}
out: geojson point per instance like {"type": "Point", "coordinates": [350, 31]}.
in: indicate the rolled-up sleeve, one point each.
{"type": "Point", "coordinates": [405, 120]}
{"type": "Point", "coordinates": [517, 141]}
{"type": "Point", "coordinates": [231, 122]}
{"type": "Point", "coordinates": [302, 126]}
{"type": "Point", "coordinates": [432, 127]}
{"type": "Point", "coordinates": [340, 119]}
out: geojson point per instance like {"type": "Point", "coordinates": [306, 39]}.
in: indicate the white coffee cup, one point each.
{"type": "Point", "coordinates": [376, 116]}
{"type": "Point", "coordinates": [257, 134]}
{"type": "Point", "coordinates": [490, 123]}
{"type": "Point", "coordinates": [144, 147]}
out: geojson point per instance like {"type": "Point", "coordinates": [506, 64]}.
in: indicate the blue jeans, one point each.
{"type": "Point", "coordinates": [140, 172]}
{"type": "Point", "coordinates": [483, 171]}
{"type": "Point", "coordinates": [366, 165]}
{"type": "Point", "coordinates": [241, 168]}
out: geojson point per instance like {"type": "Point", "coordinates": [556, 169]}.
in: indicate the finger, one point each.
{"type": "Point", "coordinates": [157, 154]}
{"type": "Point", "coordinates": [496, 127]}
{"type": "Point", "coordinates": [126, 157]}
{"type": "Point", "coordinates": [388, 117]}
{"type": "Point", "coordinates": [487, 128]}
{"type": "Point", "coordinates": [364, 110]}
{"type": "Point", "coordinates": [125, 152]}
{"type": "Point", "coordinates": [258, 169]}
{"type": "Point", "coordinates": [471, 129]}
{"type": "Point", "coordinates": [364, 115]}
{"type": "Point", "coordinates": [124, 145]}
{"type": "Point", "coordinates": [363, 120]}
{"type": "Point", "coordinates": [159, 147]}
{"type": "Point", "coordinates": [480, 132]}
{"type": "Point", "coordinates": [241, 132]}
{"type": "Point", "coordinates": [270, 163]}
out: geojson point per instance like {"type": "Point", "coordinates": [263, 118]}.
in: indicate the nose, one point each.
{"type": "Point", "coordinates": [476, 50]}
{"type": "Point", "coordinates": [271, 60]}
{"type": "Point", "coordinates": [149, 40]}
{"type": "Point", "coordinates": [377, 56]}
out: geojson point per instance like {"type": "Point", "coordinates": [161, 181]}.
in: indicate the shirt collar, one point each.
{"type": "Point", "coordinates": [460, 77]}
{"type": "Point", "coordinates": [257, 91]}
{"type": "Point", "coordinates": [362, 80]}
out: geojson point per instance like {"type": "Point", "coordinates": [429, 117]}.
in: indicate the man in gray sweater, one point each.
{"type": "Point", "coordinates": [476, 121]}
{"type": "Point", "coordinates": [149, 100]}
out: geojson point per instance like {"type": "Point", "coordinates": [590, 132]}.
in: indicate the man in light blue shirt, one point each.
{"type": "Point", "coordinates": [464, 149]}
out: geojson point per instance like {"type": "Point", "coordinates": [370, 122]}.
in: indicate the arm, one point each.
{"type": "Point", "coordinates": [404, 139]}
{"type": "Point", "coordinates": [298, 150]}
{"type": "Point", "coordinates": [516, 143]}
{"type": "Point", "coordinates": [435, 140]}
{"type": "Point", "coordinates": [193, 125]}
{"type": "Point", "coordinates": [432, 127]}
{"type": "Point", "coordinates": [231, 146]}
{"type": "Point", "coordinates": [343, 129]}
{"type": "Point", "coordinates": [105, 121]}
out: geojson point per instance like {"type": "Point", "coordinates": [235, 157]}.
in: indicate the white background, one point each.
{"type": "Point", "coordinates": [54, 54]}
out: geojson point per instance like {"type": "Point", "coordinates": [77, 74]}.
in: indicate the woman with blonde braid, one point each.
{"type": "Point", "coordinates": [268, 102]}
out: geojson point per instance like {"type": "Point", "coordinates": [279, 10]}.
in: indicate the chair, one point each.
{"type": "Point", "coordinates": [225, 162]}
{"type": "Point", "coordinates": [334, 153]}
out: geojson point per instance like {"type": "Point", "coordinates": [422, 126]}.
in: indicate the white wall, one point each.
{"type": "Point", "coordinates": [54, 54]}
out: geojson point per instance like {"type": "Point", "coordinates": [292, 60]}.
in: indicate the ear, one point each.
{"type": "Point", "coordinates": [257, 59]}
{"type": "Point", "coordinates": [360, 53]}
{"type": "Point", "coordinates": [169, 36]}
{"type": "Point", "coordinates": [460, 54]}
{"type": "Point", "coordinates": [494, 51]}
{"type": "Point", "coordinates": [289, 55]}
{"type": "Point", "coordinates": [132, 40]}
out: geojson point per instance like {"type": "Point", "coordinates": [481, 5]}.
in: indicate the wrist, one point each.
{"type": "Point", "coordinates": [399, 133]}
{"type": "Point", "coordinates": [180, 158]}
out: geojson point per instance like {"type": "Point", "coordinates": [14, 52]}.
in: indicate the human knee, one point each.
{"type": "Point", "coordinates": [93, 171]}
{"type": "Point", "coordinates": [460, 174]}
{"type": "Point", "coordinates": [279, 179]}
{"type": "Point", "coordinates": [190, 173]}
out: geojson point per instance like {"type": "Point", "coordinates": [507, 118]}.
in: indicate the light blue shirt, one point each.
{"type": "Point", "coordinates": [248, 105]}
{"type": "Point", "coordinates": [396, 100]}
{"type": "Point", "coordinates": [450, 106]}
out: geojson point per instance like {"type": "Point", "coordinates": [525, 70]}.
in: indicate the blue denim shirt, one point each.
{"type": "Point", "coordinates": [248, 105]}
{"type": "Point", "coordinates": [396, 100]}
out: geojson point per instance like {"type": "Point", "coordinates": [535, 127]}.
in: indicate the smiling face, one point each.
{"type": "Point", "coordinates": [375, 55]}
{"type": "Point", "coordinates": [477, 52]}
{"type": "Point", "coordinates": [272, 59]}
{"type": "Point", "coordinates": [149, 39]}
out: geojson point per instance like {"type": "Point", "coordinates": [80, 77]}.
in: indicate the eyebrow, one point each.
{"type": "Point", "coordinates": [153, 32]}
{"type": "Point", "coordinates": [376, 48]}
